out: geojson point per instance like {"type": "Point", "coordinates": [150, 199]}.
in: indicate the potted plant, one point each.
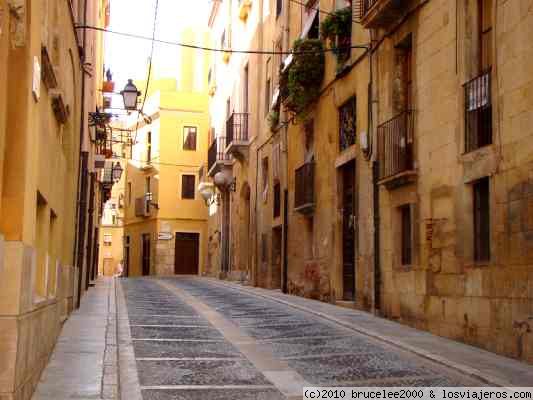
{"type": "Point", "coordinates": [301, 80]}
{"type": "Point", "coordinates": [336, 29]}
{"type": "Point", "coordinates": [108, 86]}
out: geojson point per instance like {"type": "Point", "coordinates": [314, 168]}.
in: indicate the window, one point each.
{"type": "Point", "coordinates": [406, 235]}
{"type": "Point", "coordinates": [277, 200]}
{"type": "Point", "coordinates": [279, 7]}
{"type": "Point", "coordinates": [481, 220]}
{"type": "Point", "coordinates": [347, 124]}
{"type": "Point", "coordinates": [187, 186]}
{"type": "Point", "coordinates": [309, 139]}
{"type": "Point", "coordinates": [403, 95]}
{"type": "Point", "coordinates": [189, 138]}
{"type": "Point", "coordinates": [108, 240]}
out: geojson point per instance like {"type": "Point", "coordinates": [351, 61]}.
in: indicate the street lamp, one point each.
{"type": "Point", "coordinates": [130, 95]}
{"type": "Point", "coordinates": [117, 172]}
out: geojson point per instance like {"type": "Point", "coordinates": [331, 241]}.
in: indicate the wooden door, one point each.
{"type": "Point", "coordinates": [187, 255]}
{"type": "Point", "coordinates": [349, 222]}
{"type": "Point", "coordinates": [145, 254]}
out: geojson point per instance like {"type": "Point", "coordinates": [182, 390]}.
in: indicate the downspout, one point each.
{"type": "Point", "coordinates": [255, 265]}
{"type": "Point", "coordinates": [285, 152]}
{"type": "Point", "coordinates": [90, 232]}
{"type": "Point", "coordinates": [79, 230]}
{"type": "Point", "coordinates": [372, 107]}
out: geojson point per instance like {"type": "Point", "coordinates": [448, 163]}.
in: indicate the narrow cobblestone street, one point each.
{"type": "Point", "coordinates": [186, 337]}
{"type": "Point", "coordinates": [196, 339]}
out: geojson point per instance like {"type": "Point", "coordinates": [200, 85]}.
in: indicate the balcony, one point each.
{"type": "Point", "coordinates": [395, 150]}
{"type": "Point", "coordinates": [237, 135]}
{"type": "Point", "coordinates": [383, 13]}
{"type": "Point", "coordinates": [217, 159]}
{"type": "Point", "coordinates": [478, 112]}
{"type": "Point", "coordinates": [304, 191]}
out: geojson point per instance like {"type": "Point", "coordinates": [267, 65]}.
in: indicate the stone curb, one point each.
{"type": "Point", "coordinates": [491, 380]}
{"type": "Point", "coordinates": [129, 387]}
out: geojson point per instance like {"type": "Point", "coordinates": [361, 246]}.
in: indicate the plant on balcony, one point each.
{"type": "Point", "coordinates": [337, 30]}
{"type": "Point", "coordinates": [273, 120]}
{"type": "Point", "coordinates": [300, 82]}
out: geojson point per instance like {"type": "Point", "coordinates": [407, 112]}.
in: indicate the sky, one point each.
{"type": "Point", "coordinates": [128, 57]}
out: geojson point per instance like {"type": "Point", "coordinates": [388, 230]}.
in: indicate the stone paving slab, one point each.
{"type": "Point", "coordinates": [491, 368]}
{"type": "Point", "coordinates": [169, 319]}
{"type": "Point", "coordinates": [213, 394]}
{"type": "Point", "coordinates": [303, 347]}
{"type": "Point", "coordinates": [290, 331]}
{"type": "Point", "coordinates": [219, 372]}
{"type": "Point", "coordinates": [149, 349]}
{"type": "Point", "coordinates": [147, 332]}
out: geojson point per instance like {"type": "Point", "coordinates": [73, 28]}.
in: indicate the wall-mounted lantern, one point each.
{"type": "Point", "coordinates": [130, 94]}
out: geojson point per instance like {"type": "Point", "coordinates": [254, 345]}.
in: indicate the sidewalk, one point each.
{"type": "Point", "coordinates": [494, 369]}
{"type": "Point", "coordinates": [84, 362]}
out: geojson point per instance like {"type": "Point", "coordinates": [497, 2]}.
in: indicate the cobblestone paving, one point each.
{"type": "Point", "coordinates": [181, 355]}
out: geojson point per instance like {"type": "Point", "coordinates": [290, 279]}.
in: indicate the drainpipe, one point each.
{"type": "Point", "coordinates": [90, 233]}
{"type": "Point", "coordinates": [373, 103]}
{"type": "Point", "coordinates": [79, 231]}
{"type": "Point", "coordinates": [255, 265]}
{"type": "Point", "coordinates": [285, 152]}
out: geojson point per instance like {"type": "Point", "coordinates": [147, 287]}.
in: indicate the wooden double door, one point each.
{"type": "Point", "coordinates": [187, 254]}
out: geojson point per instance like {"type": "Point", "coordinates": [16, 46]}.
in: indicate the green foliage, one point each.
{"type": "Point", "coordinates": [300, 83]}
{"type": "Point", "coordinates": [273, 120]}
{"type": "Point", "coordinates": [337, 30]}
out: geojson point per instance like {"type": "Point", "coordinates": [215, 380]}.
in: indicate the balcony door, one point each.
{"type": "Point", "coordinates": [349, 224]}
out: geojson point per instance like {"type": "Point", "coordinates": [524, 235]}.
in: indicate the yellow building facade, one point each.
{"type": "Point", "coordinates": [43, 136]}
{"type": "Point", "coordinates": [165, 219]}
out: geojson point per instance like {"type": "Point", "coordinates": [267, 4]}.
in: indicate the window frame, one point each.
{"type": "Point", "coordinates": [184, 138]}
{"type": "Point", "coordinates": [192, 192]}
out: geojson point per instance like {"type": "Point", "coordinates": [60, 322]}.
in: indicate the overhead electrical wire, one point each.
{"type": "Point", "coordinates": [141, 112]}
{"type": "Point", "coordinates": [219, 50]}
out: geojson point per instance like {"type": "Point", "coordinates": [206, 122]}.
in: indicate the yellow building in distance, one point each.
{"type": "Point", "coordinates": [165, 218]}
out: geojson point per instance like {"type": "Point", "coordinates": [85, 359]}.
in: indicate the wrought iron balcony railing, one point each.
{"type": "Point", "coordinates": [304, 191]}
{"type": "Point", "coordinates": [395, 145]}
{"type": "Point", "coordinates": [478, 112]}
{"type": "Point", "coordinates": [237, 128]}
{"type": "Point", "coordinates": [216, 152]}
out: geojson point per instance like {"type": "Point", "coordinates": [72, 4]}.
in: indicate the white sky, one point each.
{"type": "Point", "coordinates": [128, 57]}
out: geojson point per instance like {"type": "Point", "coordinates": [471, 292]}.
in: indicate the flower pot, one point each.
{"type": "Point", "coordinates": [108, 86]}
